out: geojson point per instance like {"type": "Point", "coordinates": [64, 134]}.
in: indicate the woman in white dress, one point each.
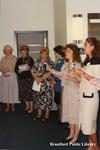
{"type": "Point", "coordinates": [8, 79]}
{"type": "Point", "coordinates": [70, 91]}
{"type": "Point", "coordinates": [89, 96]}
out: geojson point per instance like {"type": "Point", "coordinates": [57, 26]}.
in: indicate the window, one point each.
{"type": "Point", "coordinates": [34, 39]}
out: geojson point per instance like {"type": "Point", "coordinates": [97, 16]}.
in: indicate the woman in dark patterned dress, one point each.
{"type": "Point", "coordinates": [41, 75]}
{"type": "Point", "coordinates": [25, 80]}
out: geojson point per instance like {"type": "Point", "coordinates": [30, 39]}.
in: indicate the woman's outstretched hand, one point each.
{"type": "Point", "coordinates": [56, 73]}
{"type": "Point", "coordinates": [79, 72]}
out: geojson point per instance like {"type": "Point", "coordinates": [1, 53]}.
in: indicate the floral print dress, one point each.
{"type": "Point", "coordinates": [45, 96]}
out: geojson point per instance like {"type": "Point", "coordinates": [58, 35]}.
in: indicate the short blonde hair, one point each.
{"type": "Point", "coordinates": [7, 46]}
{"type": "Point", "coordinates": [44, 49]}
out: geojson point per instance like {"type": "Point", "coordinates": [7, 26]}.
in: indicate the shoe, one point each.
{"type": "Point", "coordinates": [29, 111]}
{"type": "Point", "coordinates": [13, 109]}
{"type": "Point", "coordinates": [26, 109]}
{"type": "Point", "coordinates": [44, 119]}
{"type": "Point", "coordinates": [7, 110]}
{"type": "Point", "coordinates": [37, 118]}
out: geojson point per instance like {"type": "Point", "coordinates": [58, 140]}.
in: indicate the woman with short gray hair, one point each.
{"type": "Point", "coordinates": [8, 78]}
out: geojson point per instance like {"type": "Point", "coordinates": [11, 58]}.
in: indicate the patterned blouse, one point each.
{"type": "Point", "coordinates": [45, 96]}
{"type": "Point", "coordinates": [41, 68]}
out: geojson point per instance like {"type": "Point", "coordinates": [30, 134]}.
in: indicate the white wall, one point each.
{"type": "Point", "coordinates": [25, 15]}
{"type": "Point", "coordinates": [80, 7]}
{"type": "Point", "coordinates": [60, 26]}
{"type": "Point", "coordinates": [38, 15]}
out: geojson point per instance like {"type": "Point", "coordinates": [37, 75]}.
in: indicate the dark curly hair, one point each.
{"type": "Point", "coordinates": [96, 51]}
{"type": "Point", "coordinates": [76, 53]}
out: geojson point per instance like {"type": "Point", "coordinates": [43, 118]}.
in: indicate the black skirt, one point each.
{"type": "Point", "coordinates": [57, 96]}
{"type": "Point", "coordinates": [25, 89]}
